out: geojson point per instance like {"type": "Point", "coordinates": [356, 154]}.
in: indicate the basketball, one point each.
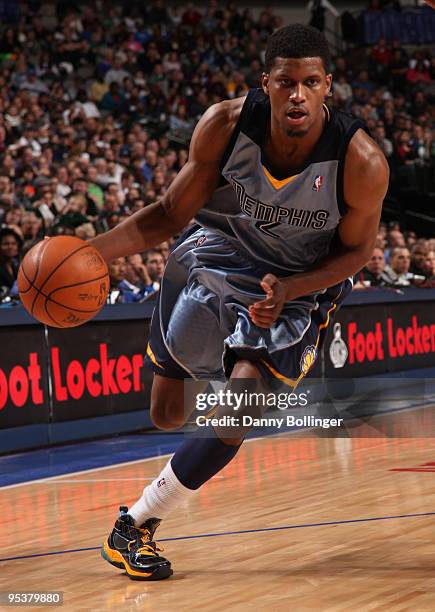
{"type": "Point", "coordinates": [63, 281]}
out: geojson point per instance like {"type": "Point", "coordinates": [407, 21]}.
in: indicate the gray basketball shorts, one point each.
{"type": "Point", "coordinates": [201, 324]}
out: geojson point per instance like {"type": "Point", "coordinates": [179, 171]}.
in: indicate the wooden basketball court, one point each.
{"type": "Point", "coordinates": [296, 522]}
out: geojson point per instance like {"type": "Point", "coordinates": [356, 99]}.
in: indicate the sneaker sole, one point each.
{"type": "Point", "coordinates": [115, 558]}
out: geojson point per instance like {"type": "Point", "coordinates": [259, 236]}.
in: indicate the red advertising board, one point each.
{"type": "Point", "coordinates": [24, 395]}
{"type": "Point", "coordinates": [376, 339]}
{"type": "Point", "coordinates": [64, 375]}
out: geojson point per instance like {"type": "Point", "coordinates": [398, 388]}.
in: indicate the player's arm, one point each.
{"type": "Point", "coordinates": [189, 191]}
{"type": "Point", "coordinates": [365, 185]}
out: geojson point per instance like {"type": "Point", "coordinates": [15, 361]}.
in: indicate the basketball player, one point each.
{"type": "Point", "coordinates": [288, 196]}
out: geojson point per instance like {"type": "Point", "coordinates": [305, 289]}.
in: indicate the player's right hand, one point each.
{"type": "Point", "coordinates": [266, 312]}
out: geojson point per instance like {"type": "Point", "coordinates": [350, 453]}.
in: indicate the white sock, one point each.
{"type": "Point", "coordinates": [159, 498]}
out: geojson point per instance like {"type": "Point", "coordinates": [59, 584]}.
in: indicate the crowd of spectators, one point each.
{"type": "Point", "coordinates": [399, 259]}
{"type": "Point", "coordinates": [98, 103]}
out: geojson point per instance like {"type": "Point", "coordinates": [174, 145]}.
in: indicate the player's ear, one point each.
{"type": "Point", "coordinates": [328, 85]}
{"type": "Point", "coordinates": [265, 83]}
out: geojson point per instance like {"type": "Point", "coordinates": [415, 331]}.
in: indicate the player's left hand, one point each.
{"type": "Point", "coordinates": [266, 312]}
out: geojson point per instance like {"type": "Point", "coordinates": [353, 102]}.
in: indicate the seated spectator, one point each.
{"type": "Point", "coordinates": [13, 216]}
{"type": "Point", "coordinates": [380, 137]}
{"type": "Point", "coordinates": [180, 123]}
{"type": "Point", "coordinates": [342, 91]}
{"type": "Point", "coordinates": [405, 152]}
{"type": "Point", "coordinates": [121, 290]}
{"type": "Point", "coordinates": [381, 53]}
{"type": "Point", "coordinates": [10, 247]}
{"type": "Point", "coordinates": [398, 271]}
{"type": "Point", "coordinates": [74, 213]}
{"type": "Point", "coordinates": [84, 107]}
{"type": "Point", "coordinates": [418, 74]}
{"type": "Point", "coordinates": [411, 239]}
{"type": "Point", "coordinates": [429, 265]}
{"type": "Point", "coordinates": [80, 187]}
{"type": "Point", "coordinates": [114, 100]}
{"type": "Point", "coordinates": [164, 248]}
{"type": "Point", "coordinates": [116, 73]}
{"type": "Point", "coordinates": [137, 273]}
{"type": "Point", "coordinates": [63, 187]}
{"type": "Point", "coordinates": [363, 82]}
{"type": "Point", "coordinates": [395, 238]}
{"type": "Point", "coordinates": [32, 227]}
{"type": "Point", "coordinates": [419, 253]}
{"type": "Point", "coordinates": [374, 271]}
{"type": "Point", "coordinates": [155, 265]}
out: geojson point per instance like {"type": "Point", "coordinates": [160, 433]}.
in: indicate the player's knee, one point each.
{"type": "Point", "coordinates": [167, 403]}
{"type": "Point", "coordinates": [166, 415]}
{"type": "Point", "coordinates": [232, 441]}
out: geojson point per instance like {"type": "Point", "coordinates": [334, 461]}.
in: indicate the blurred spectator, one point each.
{"type": "Point", "coordinates": [342, 92]}
{"type": "Point", "coordinates": [137, 272]}
{"type": "Point", "coordinates": [411, 239]}
{"type": "Point", "coordinates": [122, 290]}
{"type": "Point", "coordinates": [10, 247]}
{"type": "Point", "coordinates": [385, 144]}
{"type": "Point", "coordinates": [419, 253]}
{"type": "Point", "coordinates": [429, 265]}
{"type": "Point", "coordinates": [155, 265]}
{"type": "Point", "coordinates": [116, 73]}
{"type": "Point", "coordinates": [318, 9]}
{"type": "Point", "coordinates": [32, 227]}
{"type": "Point", "coordinates": [398, 270]}
{"type": "Point", "coordinates": [164, 248]}
{"type": "Point", "coordinates": [374, 272]}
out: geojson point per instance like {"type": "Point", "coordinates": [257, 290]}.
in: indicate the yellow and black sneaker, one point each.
{"type": "Point", "coordinates": [132, 548]}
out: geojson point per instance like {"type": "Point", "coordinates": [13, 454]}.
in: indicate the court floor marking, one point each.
{"type": "Point", "coordinates": [98, 469]}
{"type": "Point", "coordinates": [217, 477]}
{"type": "Point", "coordinates": [60, 477]}
{"type": "Point", "coordinates": [240, 532]}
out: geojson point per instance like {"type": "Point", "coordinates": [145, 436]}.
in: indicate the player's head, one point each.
{"type": "Point", "coordinates": [297, 78]}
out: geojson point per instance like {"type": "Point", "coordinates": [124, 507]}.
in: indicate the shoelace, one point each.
{"type": "Point", "coordinates": [148, 548]}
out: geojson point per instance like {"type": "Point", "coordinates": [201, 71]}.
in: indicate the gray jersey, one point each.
{"type": "Point", "coordinates": [286, 223]}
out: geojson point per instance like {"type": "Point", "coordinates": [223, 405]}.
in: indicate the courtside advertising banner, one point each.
{"type": "Point", "coordinates": [98, 369]}
{"type": "Point", "coordinates": [51, 375]}
{"type": "Point", "coordinates": [375, 339]}
{"type": "Point", "coordinates": [24, 397]}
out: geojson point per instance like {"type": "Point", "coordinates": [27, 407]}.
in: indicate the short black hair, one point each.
{"type": "Point", "coordinates": [297, 41]}
{"type": "Point", "coordinates": [8, 231]}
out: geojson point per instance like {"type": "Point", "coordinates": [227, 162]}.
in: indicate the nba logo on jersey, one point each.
{"type": "Point", "coordinates": [318, 182]}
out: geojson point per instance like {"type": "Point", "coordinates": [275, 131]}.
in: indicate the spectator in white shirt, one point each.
{"type": "Point", "coordinates": [117, 73]}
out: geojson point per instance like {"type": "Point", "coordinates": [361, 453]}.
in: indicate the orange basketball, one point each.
{"type": "Point", "coordinates": [63, 281]}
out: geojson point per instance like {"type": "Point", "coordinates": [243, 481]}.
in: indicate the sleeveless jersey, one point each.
{"type": "Point", "coordinates": [287, 224]}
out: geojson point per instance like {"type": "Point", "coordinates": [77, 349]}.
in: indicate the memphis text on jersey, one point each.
{"type": "Point", "coordinates": [271, 216]}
